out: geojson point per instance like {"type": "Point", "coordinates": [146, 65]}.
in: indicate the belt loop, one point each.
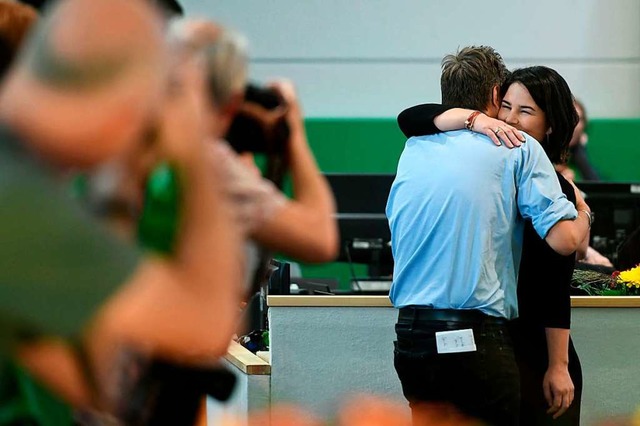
{"type": "Point", "coordinates": [414, 316]}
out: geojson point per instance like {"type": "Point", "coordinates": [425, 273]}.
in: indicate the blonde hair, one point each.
{"type": "Point", "coordinates": [224, 52]}
{"type": "Point", "coordinates": [469, 76]}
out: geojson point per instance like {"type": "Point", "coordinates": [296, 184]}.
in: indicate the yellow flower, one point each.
{"type": "Point", "coordinates": [631, 277]}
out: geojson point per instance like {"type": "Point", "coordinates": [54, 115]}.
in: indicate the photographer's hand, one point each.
{"type": "Point", "coordinates": [304, 228]}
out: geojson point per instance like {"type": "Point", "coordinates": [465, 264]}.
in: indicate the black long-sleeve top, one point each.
{"type": "Point", "coordinates": [545, 276]}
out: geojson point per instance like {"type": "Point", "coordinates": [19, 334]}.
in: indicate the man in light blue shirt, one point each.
{"type": "Point", "coordinates": [456, 212]}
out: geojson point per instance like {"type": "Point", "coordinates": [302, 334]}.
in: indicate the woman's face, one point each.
{"type": "Point", "coordinates": [520, 110]}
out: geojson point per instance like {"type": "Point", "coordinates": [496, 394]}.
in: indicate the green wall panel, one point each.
{"type": "Point", "coordinates": [614, 148]}
{"type": "Point", "coordinates": [355, 145]}
{"type": "Point", "coordinates": [374, 145]}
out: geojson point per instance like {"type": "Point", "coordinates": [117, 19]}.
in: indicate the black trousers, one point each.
{"type": "Point", "coordinates": [483, 384]}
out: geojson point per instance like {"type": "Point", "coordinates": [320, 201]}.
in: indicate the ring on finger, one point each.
{"type": "Point", "coordinates": [497, 130]}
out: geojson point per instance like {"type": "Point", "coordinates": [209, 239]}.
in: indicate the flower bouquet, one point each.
{"type": "Point", "coordinates": [627, 282]}
{"type": "Point", "coordinates": [589, 282]}
{"type": "Point", "coordinates": [597, 283]}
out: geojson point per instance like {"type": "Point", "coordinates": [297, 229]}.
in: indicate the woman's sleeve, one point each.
{"type": "Point", "coordinates": [418, 120]}
{"type": "Point", "coordinates": [557, 313]}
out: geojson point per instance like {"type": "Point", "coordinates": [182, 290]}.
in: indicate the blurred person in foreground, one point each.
{"type": "Point", "coordinates": [169, 8]}
{"type": "Point", "coordinates": [302, 227]}
{"type": "Point", "coordinates": [261, 210]}
{"type": "Point", "coordinates": [360, 410]}
{"type": "Point", "coordinates": [15, 21]}
{"type": "Point", "coordinates": [91, 82]}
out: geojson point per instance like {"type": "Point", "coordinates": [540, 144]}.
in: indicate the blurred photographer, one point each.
{"type": "Point", "coordinates": [268, 121]}
{"type": "Point", "coordinates": [83, 312]}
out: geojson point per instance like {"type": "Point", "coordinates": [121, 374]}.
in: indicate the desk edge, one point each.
{"type": "Point", "coordinates": [246, 361]}
{"type": "Point", "coordinates": [383, 301]}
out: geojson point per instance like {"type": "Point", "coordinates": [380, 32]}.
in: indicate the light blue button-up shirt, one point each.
{"type": "Point", "coordinates": [456, 212]}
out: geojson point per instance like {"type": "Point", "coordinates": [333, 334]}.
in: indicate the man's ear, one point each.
{"type": "Point", "coordinates": [495, 97]}
{"type": "Point", "coordinates": [493, 106]}
{"type": "Point", "coordinates": [227, 113]}
{"type": "Point", "coordinates": [232, 107]}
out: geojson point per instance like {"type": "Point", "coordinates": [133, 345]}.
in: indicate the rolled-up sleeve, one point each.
{"type": "Point", "coordinates": [540, 197]}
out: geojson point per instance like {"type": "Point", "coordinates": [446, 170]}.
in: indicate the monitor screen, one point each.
{"type": "Point", "coordinates": [361, 200]}
{"type": "Point", "coordinates": [360, 193]}
{"type": "Point", "coordinates": [616, 208]}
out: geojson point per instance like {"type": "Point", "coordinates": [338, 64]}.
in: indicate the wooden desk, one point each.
{"type": "Point", "coordinates": [247, 362]}
{"type": "Point", "coordinates": [253, 387]}
{"type": "Point", "coordinates": [383, 301]}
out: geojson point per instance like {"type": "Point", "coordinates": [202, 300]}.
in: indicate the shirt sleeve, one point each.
{"type": "Point", "coordinates": [57, 264]}
{"type": "Point", "coordinates": [254, 199]}
{"type": "Point", "coordinates": [540, 197]}
{"type": "Point", "coordinates": [418, 120]}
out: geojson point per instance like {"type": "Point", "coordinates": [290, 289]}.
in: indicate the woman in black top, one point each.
{"type": "Point", "coordinates": [536, 100]}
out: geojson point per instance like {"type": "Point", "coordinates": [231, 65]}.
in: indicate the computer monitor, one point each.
{"type": "Point", "coordinates": [364, 231]}
{"type": "Point", "coordinates": [616, 208]}
{"type": "Point", "coordinates": [279, 281]}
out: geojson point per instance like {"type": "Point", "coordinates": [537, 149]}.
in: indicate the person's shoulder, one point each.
{"type": "Point", "coordinates": [531, 148]}
{"type": "Point", "coordinates": [531, 143]}
{"type": "Point", "coordinates": [418, 140]}
{"type": "Point", "coordinates": [469, 138]}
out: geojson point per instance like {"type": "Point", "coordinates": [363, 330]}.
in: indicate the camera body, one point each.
{"type": "Point", "coordinates": [260, 126]}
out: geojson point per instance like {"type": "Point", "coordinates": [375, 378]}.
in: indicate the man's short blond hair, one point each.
{"type": "Point", "coordinates": [469, 76]}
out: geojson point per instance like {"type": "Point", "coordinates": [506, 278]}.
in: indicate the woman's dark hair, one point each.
{"type": "Point", "coordinates": [552, 94]}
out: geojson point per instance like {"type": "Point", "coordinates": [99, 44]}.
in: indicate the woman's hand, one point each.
{"type": "Point", "coordinates": [565, 171]}
{"type": "Point", "coordinates": [593, 257]}
{"type": "Point", "coordinates": [498, 131]}
{"type": "Point", "coordinates": [558, 390]}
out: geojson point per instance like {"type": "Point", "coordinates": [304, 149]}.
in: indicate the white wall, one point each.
{"type": "Point", "coordinates": [371, 58]}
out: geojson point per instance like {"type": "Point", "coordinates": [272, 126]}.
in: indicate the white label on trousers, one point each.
{"type": "Point", "coordinates": [455, 341]}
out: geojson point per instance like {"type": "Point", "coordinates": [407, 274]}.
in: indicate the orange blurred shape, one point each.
{"type": "Point", "coordinates": [442, 414]}
{"type": "Point", "coordinates": [620, 421]}
{"type": "Point", "coordinates": [377, 411]}
{"type": "Point", "coordinates": [284, 415]}
{"type": "Point", "coordinates": [365, 410]}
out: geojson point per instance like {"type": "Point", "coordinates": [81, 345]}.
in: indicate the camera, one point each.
{"type": "Point", "coordinates": [260, 125]}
